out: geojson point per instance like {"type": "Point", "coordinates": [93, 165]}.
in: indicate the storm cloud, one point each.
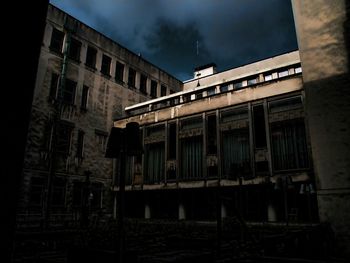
{"type": "Point", "coordinates": [229, 33]}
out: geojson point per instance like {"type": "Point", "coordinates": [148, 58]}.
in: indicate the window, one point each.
{"type": "Point", "coordinates": [154, 162]}
{"type": "Point", "coordinates": [235, 153]}
{"type": "Point", "coordinates": [64, 133]}
{"type": "Point", "coordinates": [259, 126]}
{"type": "Point", "coordinates": [211, 134]}
{"type": "Point", "coordinates": [37, 187]}
{"type": "Point", "coordinates": [191, 135]}
{"type": "Point", "coordinates": [283, 73]}
{"type": "Point", "coordinates": [91, 57]}
{"type": "Point", "coordinates": [162, 90]}
{"type": "Point", "coordinates": [119, 72]}
{"type": "Point", "coordinates": [106, 65]}
{"type": "Point", "coordinates": [223, 87]}
{"type": "Point", "coordinates": [268, 77]}
{"type": "Point", "coordinates": [56, 43]}
{"type": "Point", "coordinates": [298, 69]}
{"type": "Point", "coordinates": [253, 80]}
{"type": "Point", "coordinates": [238, 85]}
{"type": "Point", "coordinates": [58, 192]}
{"type": "Point", "coordinates": [101, 138]}
{"type": "Point", "coordinates": [234, 114]}
{"type": "Point", "coordinates": [153, 89]}
{"type": "Point", "coordinates": [74, 50]}
{"type": "Point", "coordinates": [143, 84]}
{"type": "Point", "coordinates": [80, 144]}
{"type": "Point", "coordinates": [54, 86]}
{"type": "Point", "coordinates": [132, 78]}
{"type": "Point", "coordinates": [289, 148]}
{"type": "Point", "coordinates": [172, 141]}
{"type": "Point", "coordinates": [79, 192]}
{"type": "Point", "coordinates": [211, 91]}
{"type": "Point", "coordinates": [68, 92]}
{"type": "Point", "coordinates": [95, 195]}
{"type": "Point", "coordinates": [84, 97]}
{"type": "Point", "coordinates": [285, 104]}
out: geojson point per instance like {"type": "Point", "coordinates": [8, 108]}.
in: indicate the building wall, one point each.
{"type": "Point", "coordinates": [106, 99]}
{"type": "Point", "coordinates": [323, 37]}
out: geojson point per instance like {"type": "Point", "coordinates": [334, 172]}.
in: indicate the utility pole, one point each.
{"type": "Point", "coordinates": [123, 142]}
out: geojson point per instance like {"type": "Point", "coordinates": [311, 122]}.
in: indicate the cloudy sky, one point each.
{"type": "Point", "coordinates": [229, 33]}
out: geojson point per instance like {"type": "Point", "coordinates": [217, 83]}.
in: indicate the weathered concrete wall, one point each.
{"type": "Point", "coordinates": [323, 36]}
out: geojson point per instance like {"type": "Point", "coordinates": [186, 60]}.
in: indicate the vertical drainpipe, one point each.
{"type": "Point", "coordinates": [56, 119]}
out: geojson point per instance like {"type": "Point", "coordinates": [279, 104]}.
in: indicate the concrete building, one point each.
{"type": "Point", "coordinates": [240, 134]}
{"type": "Point", "coordinates": [323, 31]}
{"type": "Point", "coordinates": [84, 81]}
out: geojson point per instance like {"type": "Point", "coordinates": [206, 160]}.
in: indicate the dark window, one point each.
{"type": "Point", "coordinates": [54, 85]}
{"type": "Point", "coordinates": [154, 162]}
{"type": "Point", "coordinates": [80, 144]}
{"type": "Point", "coordinates": [56, 43]}
{"type": "Point", "coordinates": [68, 92]}
{"type": "Point", "coordinates": [37, 186]}
{"type": "Point", "coordinates": [64, 133]}
{"type": "Point", "coordinates": [211, 91]}
{"type": "Point", "coordinates": [74, 50]}
{"type": "Point", "coordinates": [95, 195]}
{"type": "Point", "coordinates": [285, 104]}
{"type": "Point", "coordinates": [91, 57]}
{"type": "Point", "coordinates": [252, 80]}
{"type": "Point", "coordinates": [235, 153]}
{"type": "Point", "coordinates": [192, 157]}
{"type": "Point", "coordinates": [259, 126]}
{"type": "Point", "coordinates": [58, 192]}
{"type": "Point", "coordinates": [132, 78]}
{"type": "Point", "coordinates": [143, 84]}
{"type": "Point", "coordinates": [223, 87]}
{"type": "Point", "coordinates": [234, 114]}
{"type": "Point", "coordinates": [106, 65]}
{"type": "Point", "coordinates": [211, 134]}
{"type": "Point", "coordinates": [172, 141]}
{"type": "Point", "coordinates": [79, 191]}
{"type": "Point", "coordinates": [119, 72]}
{"type": "Point", "coordinates": [153, 89]}
{"type": "Point", "coordinates": [238, 84]}
{"type": "Point", "coordinates": [162, 90]}
{"type": "Point", "coordinates": [101, 139]}
{"type": "Point", "coordinates": [84, 97]}
{"type": "Point", "coordinates": [289, 148]}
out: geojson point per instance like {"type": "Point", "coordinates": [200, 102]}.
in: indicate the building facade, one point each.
{"type": "Point", "coordinates": [234, 142]}
{"type": "Point", "coordinates": [84, 81]}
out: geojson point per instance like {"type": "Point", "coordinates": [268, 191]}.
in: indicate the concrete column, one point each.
{"type": "Point", "coordinates": [182, 212]}
{"type": "Point", "coordinates": [147, 211]}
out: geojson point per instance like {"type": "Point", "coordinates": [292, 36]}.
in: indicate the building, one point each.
{"type": "Point", "coordinates": [240, 134]}
{"type": "Point", "coordinates": [84, 80]}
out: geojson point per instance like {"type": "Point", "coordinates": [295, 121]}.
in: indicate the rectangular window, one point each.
{"type": "Point", "coordinates": [54, 86]}
{"type": "Point", "coordinates": [234, 114]}
{"type": "Point", "coordinates": [155, 162]}
{"type": "Point", "coordinates": [162, 90]}
{"type": "Point", "coordinates": [106, 65]}
{"type": "Point", "coordinates": [289, 148]}
{"type": "Point", "coordinates": [78, 194]}
{"type": "Point", "coordinates": [91, 57]}
{"type": "Point", "coordinates": [101, 138]}
{"type": "Point", "coordinates": [95, 195]}
{"type": "Point", "coordinates": [172, 139]}
{"type": "Point", "coordinates": [298, 69]}
{"type": "Point", "coordinates": [132, 78]}
{"type": "Point", "coordinates": [223, 87]}
{"type": "Point", "coordinates": [68, 92]}
{"type": "Point", "coordinates": [119, 72]}
{"type": "Point", "coordinates": [235, 153]}
{"type": "Point", "coordinates": [285, 104]}
{"type": "Point", "coordinates": [211, 134]}
{"type": "Point", "coordinates": [191, 158]}
{"type": "Point", "coordinates": [211, 91]}
{"type": "Point", "coordinates": [74, 50]}
{"type": "Point", "coordinates": [63, 141]}
{"type": "Point", "coordinates": [58, 192]}
{"type": "Point", "coordinates": [80, 144]}
{"type": "Point", "coordinates": [84, 97]}
{"type": "Point", "coordinates": [283, 73]}
{"type": "Point", "coordinates": [253, 80]}
{"type": "Point", "coordinates": [238, 85]}
{"type": "Point", "coordinates": [153, 89]}
{"type": "Point", "coordinates": [56, 43]}
{"type": "Point", "coordinates": [268, 77]}
{"type": "Point", "coordinates": [259, 126]}
{"type": "Point", "coordinates": [37, 187]}
{"type": "Point", "coordinates": [143, 84]}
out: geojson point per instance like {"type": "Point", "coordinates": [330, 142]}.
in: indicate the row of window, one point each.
{"type": "Point", "coordinates": [197, 143]}
{"type": "Point", "coordinates": [74, 50]}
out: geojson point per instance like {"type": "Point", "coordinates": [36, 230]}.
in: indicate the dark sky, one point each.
{"type": "Point", "coordinates": [230, 33]}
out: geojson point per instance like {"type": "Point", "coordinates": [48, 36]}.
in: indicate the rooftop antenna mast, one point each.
{"type": "Point", "coordinates": [197, 74]}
